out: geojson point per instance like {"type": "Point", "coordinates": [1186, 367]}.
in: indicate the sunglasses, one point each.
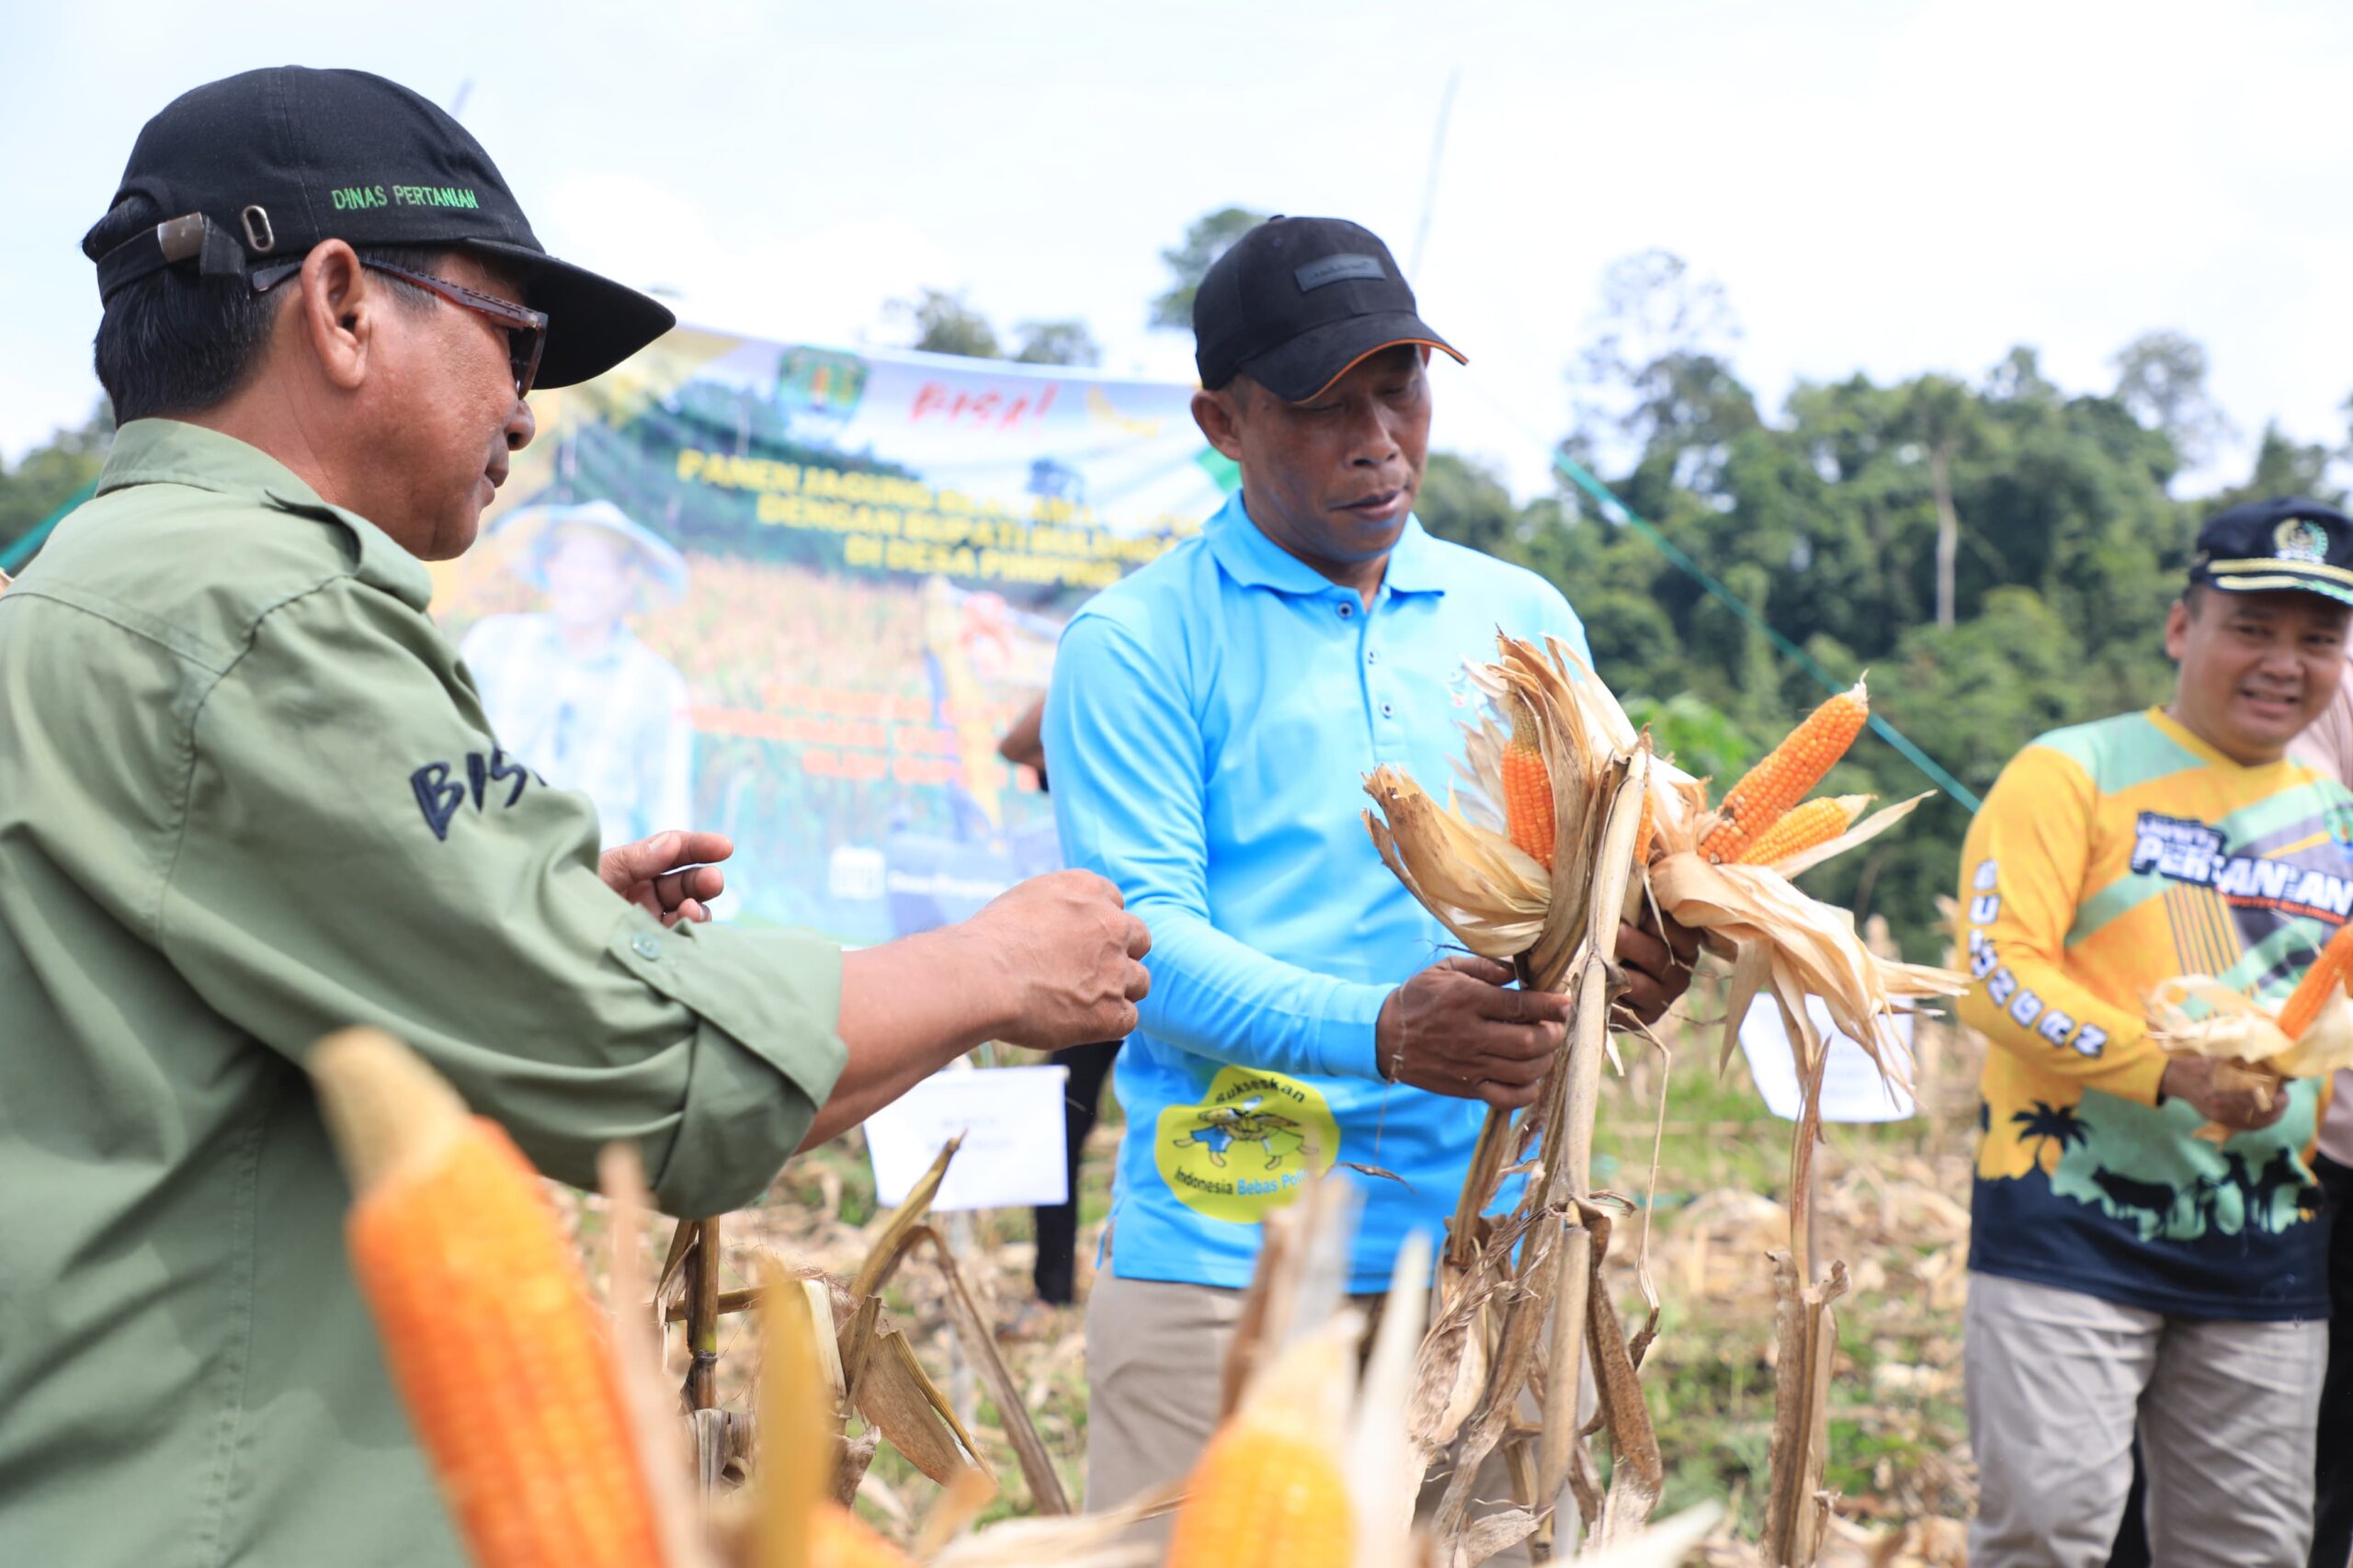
{"type": "Point", "coordinates": [527, 330]}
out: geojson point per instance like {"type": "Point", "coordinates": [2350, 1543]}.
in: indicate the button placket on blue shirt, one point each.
{"type": "Point", "coordinates": [1380, 694]}
{"type": "Point", "coordinates": [1384, 732]}
{"type": "Point", "coordinates": [1356, 622]}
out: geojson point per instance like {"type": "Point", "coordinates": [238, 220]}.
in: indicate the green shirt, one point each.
{"type": "Point", "coordinates": [248, 796]}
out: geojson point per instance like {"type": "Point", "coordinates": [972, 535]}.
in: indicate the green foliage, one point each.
{"type": "Point", "coordinates": [1698, 737]}
{"type": "Point", "coordinates": [51, 474]}
{"type": "Point", "coordinates": [2282, 467]}
{"type": "Point", "coordinates": [1465, 503]}
{"type": "Point", "coordinates": [1056, 343]}
{"type": "Point", "coordinates": [2064, 547]}
{"type": "Point", "coordinates": [944, 324]}
{"type": "Point", "coordinates": [2161, 377]}
{"type": "Point", "coordinates": [1204, 242]}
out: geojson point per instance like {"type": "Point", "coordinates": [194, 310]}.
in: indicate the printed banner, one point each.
{"type": "Point", "coordinates": [796, 595]}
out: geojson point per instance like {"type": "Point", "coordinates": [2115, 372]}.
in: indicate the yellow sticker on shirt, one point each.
{"type": "Point", "coordinates": [1244, 1151]}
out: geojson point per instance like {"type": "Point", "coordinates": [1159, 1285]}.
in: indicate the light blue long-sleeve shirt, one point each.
{"type": "Point", "coordinates": [1210, 726]}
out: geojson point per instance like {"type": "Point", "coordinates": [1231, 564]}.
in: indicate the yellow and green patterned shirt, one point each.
{"type": "Point", "coordinates": [2108, 857]}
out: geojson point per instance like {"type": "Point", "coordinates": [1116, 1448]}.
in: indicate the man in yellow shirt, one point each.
{"type": "Point", "coordinates": [2121, 1265]}
{"type": "Point", "coordinates": [2327, 745]}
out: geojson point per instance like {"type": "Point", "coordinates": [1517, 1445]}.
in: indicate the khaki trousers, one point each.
{"type": "Point", "coordinates": [1155, 1359]}
{"type": "Point", "coordinates": [2055, 1383]}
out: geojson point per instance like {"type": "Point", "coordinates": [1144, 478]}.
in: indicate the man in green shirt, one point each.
{"type": "Point", "coordinates": [248, 795]}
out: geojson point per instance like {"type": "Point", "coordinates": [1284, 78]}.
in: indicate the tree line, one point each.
{"type": "Point", "coordinates": [1997, 551]}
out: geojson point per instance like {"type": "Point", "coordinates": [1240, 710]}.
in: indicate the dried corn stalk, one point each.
{"type": "Point", "coordinates": [1625, 828]}
{"type": "Point", "coordinates": [1805, 1337]}
{"type": "Point", "coordinates": [877, 1373]}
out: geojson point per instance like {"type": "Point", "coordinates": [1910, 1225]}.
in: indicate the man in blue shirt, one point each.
{"type": "Point", "coordinates": [1209, 724]}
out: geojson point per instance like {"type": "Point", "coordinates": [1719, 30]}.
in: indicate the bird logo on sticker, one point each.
{"type": "Point", "coordinates": [1247, 1146]}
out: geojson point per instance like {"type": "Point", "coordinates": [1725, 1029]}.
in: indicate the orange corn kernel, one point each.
{"type": "Point", "coordinates": [1791, 769]}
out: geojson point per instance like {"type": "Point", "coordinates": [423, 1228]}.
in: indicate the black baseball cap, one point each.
{"type": "Point", "coordinates": [255, 169]}
{"type": "Point", "coordinates": [1298, 302]}
{"type": "Point", "coordinates": [2288, 542]}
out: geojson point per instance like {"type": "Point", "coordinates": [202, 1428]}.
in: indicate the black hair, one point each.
{"type": "Point", "coordinates": [173, 343]}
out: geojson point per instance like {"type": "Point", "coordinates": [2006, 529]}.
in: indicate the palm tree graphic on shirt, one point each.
{"type": "Point", "coordinates": [2046, 1124]}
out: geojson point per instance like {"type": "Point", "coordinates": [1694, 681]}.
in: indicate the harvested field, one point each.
{"type": "Point", "coordinates": [1893, 1204]}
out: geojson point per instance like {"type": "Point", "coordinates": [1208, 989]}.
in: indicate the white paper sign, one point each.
{"type": "Point", "coordinates": [1012, 1122]}
{"type": "Point", "coordinates": [1852, 1089]}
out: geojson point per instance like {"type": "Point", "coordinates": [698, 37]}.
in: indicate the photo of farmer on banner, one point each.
{"type": "Point", "coordinates": [571, 687]}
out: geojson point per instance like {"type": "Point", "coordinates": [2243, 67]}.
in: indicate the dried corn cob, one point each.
{"type": "Point", "coordinates": [799, 1427]}
{"type": "Point", "coordinates": [1528, 788]}
{"type": "Point", "coordinates": [1269, 1490]}
{"type": "Point", "coordinates": [2328, 974]}
{"type": "Point", "coordinates": [1814, 822]}
{"type": "Point", "coordinates": [501, 1359]}
{"type": "Point", "coordinates": [1791, 768]}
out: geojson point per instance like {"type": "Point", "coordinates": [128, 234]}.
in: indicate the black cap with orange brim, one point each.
{"type": "Point", "coordinates": [1297, 302]}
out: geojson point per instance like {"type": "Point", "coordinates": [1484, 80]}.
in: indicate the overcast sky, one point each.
{"type": "Point", "coordinates": [1889, 188]}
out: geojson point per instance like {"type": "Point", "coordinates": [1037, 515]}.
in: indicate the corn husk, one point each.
{"type": "Point", "coordinates": [1488, 891]}
{"type": "Point", "coordinates": [1668, 1544]}
{"type": "Point", "coordinates": [1779, 940]}
{"type": "Point", "coordinates": [1519, 1302]}
{"type": "Point", "coordinates": [1384, 1467]}
{"type": "Point", "coordinates": [2199, 1015]}
{"type": "Point", "coordinates": [1500, 902]}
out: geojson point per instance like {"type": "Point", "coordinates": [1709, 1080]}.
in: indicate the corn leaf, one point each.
{"type": "Point", "coordinates": [890, 1245]}
{"type": "Point", "coordinates": [896, 1395]}
{"type": "Point", "coordinates": [1037, 1467]}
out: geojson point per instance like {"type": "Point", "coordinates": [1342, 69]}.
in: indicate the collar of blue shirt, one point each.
{"type": "Point", "coordinates": [1416, 565]}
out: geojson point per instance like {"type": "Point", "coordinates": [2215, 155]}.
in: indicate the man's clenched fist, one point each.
{"type": "Point", "coordinates": [1070, 954]}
